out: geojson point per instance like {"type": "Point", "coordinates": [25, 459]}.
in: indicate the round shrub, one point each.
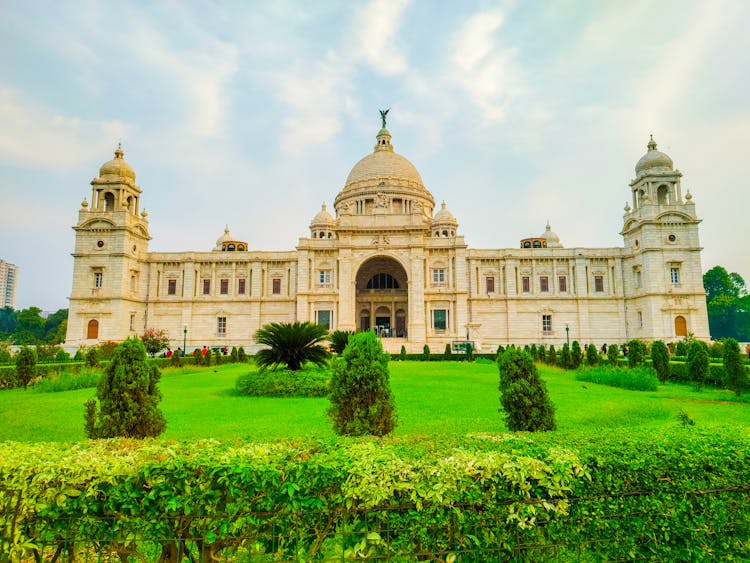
{"type": "Point", "coordinates": [523, 394]}
{"type": "Point", "coordinates": [361, 398]}
{"type": "Point", "coordinates": [636, 353]}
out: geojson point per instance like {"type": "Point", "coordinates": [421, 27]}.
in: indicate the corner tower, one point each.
{"type": "Point", "coordinates": [109, 292]}
{"type": "Point", "coordinates": [664, 296]}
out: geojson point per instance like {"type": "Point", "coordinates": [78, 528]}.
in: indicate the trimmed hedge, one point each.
{"type": "Point", "coordinates": [678, 496]}
{"type": "Point", "coordinates": [284, 383]}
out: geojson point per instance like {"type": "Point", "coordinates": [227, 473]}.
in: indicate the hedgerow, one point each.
{"type": "Point", "coordinates": [678, 496]}
{"type": "Point", "coordinates": [307, 382]}
{"type": "Point", "coordinates": [635, 379]}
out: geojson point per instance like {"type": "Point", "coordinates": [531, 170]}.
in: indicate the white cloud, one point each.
{"type": "Point", "coordinates": [377, 25]}
{"type": "Point", "coordinates": [33, 135]}
{"type": "Point", "coordinates": [487, 72]}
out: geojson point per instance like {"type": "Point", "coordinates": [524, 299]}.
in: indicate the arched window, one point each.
{"type": "Point", "coordinates": [241, 247]}
{"type": "Point", "coordinates": [382, 281]}
{"type": "Point", "coordinates": [109, 201]}
{"type": "Point", "coordinates": [93, 329]}
{"type": "Point", "coordinates": [526, 244]}
{"type": "Point", "coordinates": [230, 247]}
{"type": "Point", "coordinates": [680, 326]}
{"type": "Point", "coordinates": [537, 244]}
{"type": "Point", "coordinates": [662, 195]}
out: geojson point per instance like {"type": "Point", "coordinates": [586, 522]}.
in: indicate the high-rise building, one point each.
{"type": "Point", "coordinates": [390, 261]}
{"type": "Point", "coordinates": [8, 280]}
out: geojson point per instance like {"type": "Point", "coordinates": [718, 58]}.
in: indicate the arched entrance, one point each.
{"type": "Point", "coordinates": [382, 297]}
{"type": "Point", "coordinates": [680, 326]}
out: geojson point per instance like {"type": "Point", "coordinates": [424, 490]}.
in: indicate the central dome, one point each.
{"type": "Point", "coordinates": [381, 165]}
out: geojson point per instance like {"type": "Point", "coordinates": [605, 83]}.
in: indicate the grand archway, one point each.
{"type": "Point", "coordinates": [382, 297]}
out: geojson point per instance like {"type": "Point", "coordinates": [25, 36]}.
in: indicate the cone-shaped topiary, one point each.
{"type": "Point", "coordinates": [361, 398]}
{"type": "Point", "coordinates": [565, 360]}
{"type": "Point", "coordinates": [552, 355]}
{"type": "Point", "coordinates": [402, 353]}
{"type": "Point", "coordinates": [697, 363]}
{"type": "Point", "coordinates": [636, 353]}
{"type": "Point", "coordinates": [576, 355]}
{"type": "Point", "coordinates": [448, 353]}
{"type": "Point", "coordinates": [128, 396]}
{"type": "Point", "coordinates": [523, 394]}
{"type": "Point", "coordinates": [25, 366]}
{"type": "Point", "coordinates": [592, 355]}
{"type": "Point", "coordinates": [660, 360]}
{"type": "Point", "coordinates": [426, 353]}
{"type": "Point", "coordinates": [292, 344]}
{"type": "Point", "coordinates": [613, 354]}
{"type": "Point", "coordinates": [735, 367]}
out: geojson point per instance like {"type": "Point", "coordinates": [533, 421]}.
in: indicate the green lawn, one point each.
{"type": "Point", "coordinates": [432, 398]}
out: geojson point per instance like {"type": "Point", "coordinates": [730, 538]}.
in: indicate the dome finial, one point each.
{"type": "Point", "coordinates": [651, 143]}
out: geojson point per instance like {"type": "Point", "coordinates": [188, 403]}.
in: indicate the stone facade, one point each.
{"type": "Point", "coordinates": [387, 262]}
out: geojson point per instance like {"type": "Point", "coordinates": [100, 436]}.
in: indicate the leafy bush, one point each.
{"type": "Point", "coordinates": [500, 349]}
{"type": "Point", "coordinates": [736, 377]}
{"type": "Point", "coordinates": [241, 356]}
{"type": "Point", "coordinates": [426, 353]}
{"type": "Point", "coordinates": [680, 349]}
{"type": "Point", "coordinates": [66, 381]}
{"type": "Point", "coordinates": [523, 394]}
{"type": "Point", "coordinates": [660, 360]}
{"type": "Point", "coordinates": [62, 356]}
{"type": "Point", "coordinates": [448, 353]}
{"type": "Point", "coordinates": [361, 398]}
{"type": "Point", "coordinates": [339, 340]}
{"type": "Point", "coordinates": [636, 353]}
{"type": "Point", "coordinates": [565, 359]}
{"type": "Point", "coordinates": [634, 379]}
{"type": "Point", "coordinates": [613, 354]}
{"type": "Point", "coordinates": [592, 355]}
{"type": "Point", "coordinates": [697, 363]}
{"type": "Point", "coordinates": [234, 355]}
{"type": "Point", "coordinates": [25, 362]}
{"type": "Point", "coordinates": [309, 382]}
{"type": "Point", "coordinates": [402, 353]}
{"type": "Point", "coordinates": [291, 344]}
{"type": "Point", "coordinates": [128, 397]}
{"type": "Point", "coordinates": [469, 352]}
{"type": "Point", "coordinates": [79, 356]}
{"type": "Point", "coordinates": [551, 355]}
{"type": "Point", "coordinates": [92, 357]}
{"type": "Point", "coordinates": [175, 360]}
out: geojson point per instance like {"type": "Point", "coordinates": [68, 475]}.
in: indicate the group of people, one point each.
{"type": "Point", "coordinates": [223, 350]}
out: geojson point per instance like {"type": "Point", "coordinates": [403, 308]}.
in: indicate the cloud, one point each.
{"type": "Point", "coordinates": [34, 135]}
{"type": "Point", "coordinates": [377, 25]}
{"type": "Point", "coordinates": [488, 73]}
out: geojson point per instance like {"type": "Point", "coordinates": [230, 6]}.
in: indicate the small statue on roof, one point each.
{"type": "Point", "coordinates": [383, 113]}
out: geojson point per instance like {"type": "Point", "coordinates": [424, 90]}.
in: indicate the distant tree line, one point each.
{"type": "Point", "coordinates": [27, 326]}
{"type": "Point", "coordinates": [728, 305]}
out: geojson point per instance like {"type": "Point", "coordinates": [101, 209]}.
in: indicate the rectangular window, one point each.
{"type": "Point", "coordinates": [490, 284]}
{"type": "Point", "coordinates": [599, 284]}
{"type": "Point", "coordinates": [674, 275]}
{"type": "Point", "coordinates": [324, 319]}
{"type": "Point", "coordinates": [526, 284]}
{"type": "Point", "coordinates": [562, 283]}
{"type": "Point", "coordinates": [206, 287]}
{"type": "Point", "coordinates": [324, 277]}
{"type": "Point", "coordinates": [224, 288]}
{"type": "Point", "coordinates": [439, 319]}
{"type": "Point", "coordinates": [132, 283]}
{"type": "Point", "coordinates": [547, 324]}
{"type": "Point", "coordinates": [241, 286]}
{"type": "Point", "coordinates": [221, 326]}
{"type": "Point", "coordinates": [640, 319]}
{"type": "Point", "coordinates": [98, 279]}
{"type": "Point", "coordinates": [638, 278]}
{"type": "Point", "coordinates": [543, 284]}
{"type": "Point", "coordinates": [171, 287]}
{"type": "Point", "coordinates": [132, 321]}
{"type": "Point", "coordinates": [438, 275]}
{"type": "Point", "coordinates": [276, 287]}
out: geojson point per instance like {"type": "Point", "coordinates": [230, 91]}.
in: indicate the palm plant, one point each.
{"type": "Point", "coordinates": [292, 344]}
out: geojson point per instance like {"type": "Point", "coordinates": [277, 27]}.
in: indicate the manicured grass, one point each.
{"type": "Point", "coordinates": [432, 398]}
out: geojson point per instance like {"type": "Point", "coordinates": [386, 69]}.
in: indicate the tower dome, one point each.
{"type": "Point", "coordinates": [323, 218]}
{"type": "Point", "coordinates": [553, 241]}
{"type": "Point", "coordinates": [444, 223]}
{"type": "Point", "coordinates": [653, 160]}
{"type": "Point", "coordinates": [382, 178]}
{"type": "Point", "coordinates": [117, 167]}
{"type": "Point", "coordinates": [227, 243]}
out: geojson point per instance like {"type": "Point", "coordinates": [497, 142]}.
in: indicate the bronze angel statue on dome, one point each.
{"type": "Point", "coordinates": [383, 113]}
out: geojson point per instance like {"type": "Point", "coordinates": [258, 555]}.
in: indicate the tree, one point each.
{"type": "Point", "coordinates": [234, 355]}
{"type": "Point", "coordinates": [592, 355]}
{"type": "Point", "coordinates": [155, 340]}
{"type": "Point", "coordinates": [8, 320]}
{"type": "Point", "coordinates": [52, 326]}
{"type": "Point", "coordinates": [660, 360]}
{"type": "Point", "coordinates": [426, 353]}
{"type": "Point", "coordinates": [175, 359]}
{"type": "Point", "coordinates": [128, 396]}
{"type": "Point", "coordinates": [402, 353]}
{"type": "Point", "coordinates": [523, 394]}
{"type": "Point", "coordinates": [291, 344]}
{"type": "Point", "coordinates": [448, 353]}
{"type": "Point", "coordinates": [636, 353]}
{"type": "Point", "coordinates": [500, 349]}
{"type": "Point", "coordinates": [469, 352]}
{"type": "Point", "coordinates": [241, 356]}
{"type": "Point", "coordinates": [565, 359]}
{"type": "Point", "coordinates": [727, 303]}
{"type": "Point", "coordinates": [25, 366]}
{"type": "Point", "coordinates": [339, 340]}
{"type": "Point", "coordinates": [361, 398]}
{"type": "Point", "coordinates": [697, 363]}
{"type": "Point", "coordinates": [551, 355]}
{"type": "Point", "coordinates": [613, 354]}
{"type": "Point", "coordinates": [734, 366]}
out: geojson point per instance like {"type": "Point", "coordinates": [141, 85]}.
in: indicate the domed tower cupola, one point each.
{"type": "Point", "coordinates": [656, 181]}
{"type": "Point", "coordinates": [227, 243]}
{"type": "Point", "coordinates": [323, 224]}
{"type": "Point", "coordinates": [551, 238]}
{"type": "Point", "coordinates": [115, 189]}
{"type": "Point", "coordinates": [444, 224]}
{"type": "Point", "coordinates": [386, 185]}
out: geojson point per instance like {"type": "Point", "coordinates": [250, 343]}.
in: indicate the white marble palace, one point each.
{"type": "Point", "coordinates": [386, 260]}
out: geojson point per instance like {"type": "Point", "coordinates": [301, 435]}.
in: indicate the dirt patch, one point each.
{"type": "Point", "coordinates": [705, 401]}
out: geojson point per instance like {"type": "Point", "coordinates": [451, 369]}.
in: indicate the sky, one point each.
{"type": "Point", "coordinates": [252, 114]}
